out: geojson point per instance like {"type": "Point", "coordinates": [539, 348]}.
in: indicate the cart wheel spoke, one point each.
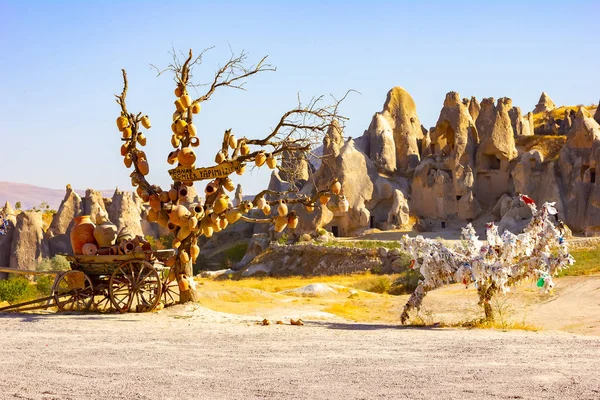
{"type": "Point", "coordinates": [73, 290]}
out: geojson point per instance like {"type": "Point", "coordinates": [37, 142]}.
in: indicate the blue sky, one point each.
{"type": "Point", "coordinates": [61, 66]}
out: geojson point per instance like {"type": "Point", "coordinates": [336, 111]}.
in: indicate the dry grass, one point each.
{"type": "Point", "coordinates": [548, 145]}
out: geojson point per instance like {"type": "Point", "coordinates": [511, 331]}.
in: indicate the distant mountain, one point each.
{"type": "Point", "coordinates": [32, 196]}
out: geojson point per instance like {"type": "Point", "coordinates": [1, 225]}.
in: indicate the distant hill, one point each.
{"type": "Point", "coordinates": [32, 196]}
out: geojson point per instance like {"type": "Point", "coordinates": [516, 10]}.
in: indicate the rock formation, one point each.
{"type": "Point", "coordinates": [57, 234]}
{"type": "Point", "coordinates": [522, 124]}
{"type": "Point", "coordinates": [125, 212]}
{"type": "Point", "coordinates": [597, 114]}
{"type": "Point", "coordinates": [28, 244]}
{"type": "Point", "coordinates": [578, 161]}
{"type": "Point", "coordinates": [544, 104]}
{"type": "Point", "coordinates": [8, 214]}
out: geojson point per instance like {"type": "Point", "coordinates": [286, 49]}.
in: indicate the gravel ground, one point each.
{"type": "Point", "coordinates": [191, 352]}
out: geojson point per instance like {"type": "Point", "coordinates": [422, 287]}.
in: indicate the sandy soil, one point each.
{"type": "Point", "coordinates": [191, 352]}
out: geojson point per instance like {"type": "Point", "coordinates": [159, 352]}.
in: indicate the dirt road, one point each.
{"type": "Point", "coordinates": [191, 352]}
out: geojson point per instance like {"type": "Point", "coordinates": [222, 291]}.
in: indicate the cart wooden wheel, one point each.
{"type": "Point", "coordinates": [135, 286]}
{"type": "Point", "coordinates": [170, 288]}
{"type": "Point", "coordinates": [73, 291]}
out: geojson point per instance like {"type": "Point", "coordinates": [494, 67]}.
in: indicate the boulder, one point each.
{"type": "Point", "coordinates": [399, 212]}
{"type": "Point", "coordinates": [28, 244]}
{"type": "Point", "coordinates": [544, 104]}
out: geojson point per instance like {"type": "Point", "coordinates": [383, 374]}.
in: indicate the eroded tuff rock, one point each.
{"type": "Point", "coordinates": [597, 114]}
{"type": "Point", "coordinates": [6, 240]}
{"type": "Point", "coordinates": [522, 124]}
{"type": "Point", "coordinates": [544, 104]}
{"type": "Point", "coordinates": [125, 212]}
{"type": "Point", "coordinates": [578, 164]}
{"type": "Point", "coordinates": [93, 203]}
{"type": "Point", "coordinates": [28, 245]}
{"type": "Point", "coordinates": [58, 233]}
{"type": "Point", "coordinates": [401, 112]}
{"type": "Point", "coordinates": [382, 148]}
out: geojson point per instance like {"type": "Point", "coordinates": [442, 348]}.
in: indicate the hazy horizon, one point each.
{"type": "Point", "coordinates": [63, 61]}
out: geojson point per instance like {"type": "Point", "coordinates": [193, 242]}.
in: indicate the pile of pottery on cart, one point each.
{"type": "Point", "coordinates": [103, 238]}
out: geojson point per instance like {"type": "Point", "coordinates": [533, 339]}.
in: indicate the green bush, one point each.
{"type": "Point", "coordinates": [56, 263]}
{"type": "Point", "coordinates": [406, 283]}
{"type": "Point", "coordinates": [17, 289]}
{"type": "Point", "coordinates": [283, 239]}
{"type": "Point", "coordinates": [44, 284]}
{"type": "Point", "coordinates": [163, 242]}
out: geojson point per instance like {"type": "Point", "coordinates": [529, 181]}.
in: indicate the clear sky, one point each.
{"type": "Point", "coordinates": [60, 67]}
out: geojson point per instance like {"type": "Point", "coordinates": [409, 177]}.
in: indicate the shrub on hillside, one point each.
{"type": "Point", "coordinates": [17, 289]}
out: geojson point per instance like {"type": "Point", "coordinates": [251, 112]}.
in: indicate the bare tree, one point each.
{"type": "Point", "coordinates": [295, 132]}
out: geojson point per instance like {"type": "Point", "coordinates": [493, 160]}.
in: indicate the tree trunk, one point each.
{"type": "Point", "coordinates": [185, 270]}
{"type": "Point", "coordinates": [485, 295]}
{"type": "Point", "coordinates": [190, 295]}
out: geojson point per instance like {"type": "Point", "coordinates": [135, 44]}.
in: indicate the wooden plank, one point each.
{"type": "Point", "coordinates": [28, 271]}
{"type": "Point", "coordinates": [19, 305]}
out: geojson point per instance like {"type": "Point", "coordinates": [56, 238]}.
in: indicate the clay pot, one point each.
{"type": "Point", "coordinates": [178, 91]}
{"type": "Point", "coordinates": [260, 159]}
{"type": "Point", "coordinates": [233, 215]}
{"type": "Point", "coordinates": [186, 100]}
{"type": "Point", "coordinates": [266, 209]}
{"type": "Point", "coordinates": [184, 284]}
{"type": "Point", "coordinates": [244, 149]}
{"type": "Point", "coordinates": [89, 249]}
{"type": "Point", "coordinates": [194, 252]}
{"type": "Point", "coordinates": [192, 131]}
{"type": "Point", "coordinates": [82, 233]}
{"type": "Point", "coordinates": [336, 187]}
{"type": "Point", "coordinates": [155, 203]}
{"type": "Point", "coordinates": [324, 198]}
{"type": "Point", "coordinates": [271, 161]}
{"type": "Point", "coordinates": [211, 188]}
{"type": "Point", "coordinates": [179, 106]}
{"type": "Point", "coordinates": [196, 108]}
{"type": "Point", "coordinates": [220, 157]}
{"type": "Point", "coordinates": [186, 157]}
{"type": "Point", "coordinates": [292, 221]}
{"type": "Point", "coordinates": [282, 208]}
{"type": "Point", "coordinates": [228, 185]}
{"type": "Point", "coordinates": [146, 122]}
{"type": "Point", "coordinates": [122, 122]}
{"type": "Point", "coordinates": [105, 232]}
{"type": "Point", "coordinates": [261, 203]}
{"type": "Point", "coordinates": [194, 142]}
{"type": "Point", "coordinates": [232, 141]}
{"type": "Point", "coordinates": [241, 169]}
{"type": "Point", "coordinates": [343, 204]}
{"type": "Point", "coordinates": [220, 205]}
{"type": "Point", "coordinates": [182, 191]}
{"type": "Point", "coordinates": [280, 223]}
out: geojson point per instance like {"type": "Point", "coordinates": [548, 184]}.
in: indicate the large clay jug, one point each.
{"type": "Point", "coordinates": [105, 232]}
{"type": "Point", "coordinates": [82, 233]}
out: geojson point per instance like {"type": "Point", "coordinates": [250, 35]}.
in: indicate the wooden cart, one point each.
{"type": "Point", "coordinates": [133, 282]}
